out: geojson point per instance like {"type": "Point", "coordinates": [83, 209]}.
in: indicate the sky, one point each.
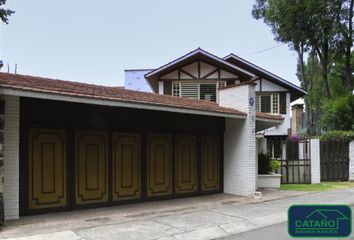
{"type": "Point", "coordinates": [94, 41]}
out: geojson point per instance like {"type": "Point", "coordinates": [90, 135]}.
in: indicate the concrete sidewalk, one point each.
{"type": "Point", "coordinates": [208, 222]}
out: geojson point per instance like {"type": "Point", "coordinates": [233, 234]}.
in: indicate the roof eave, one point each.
{"type": "Point", "coordinates": [58, 96]}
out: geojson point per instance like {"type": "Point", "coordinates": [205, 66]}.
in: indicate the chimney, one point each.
{"type": "Point", "coordinates": [296, 119]}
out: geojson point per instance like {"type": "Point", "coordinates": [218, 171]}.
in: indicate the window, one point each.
{"type": "Point", "coordinates": [207, 92]}
{"type": "Point", "coordinates": [221, 84]}
{"type": "Point", "coordinates": [268, 102]}
{"type": "Point", "coordinates": [176, 89]}
{"type": "Point", "coordinates": [196, 90]}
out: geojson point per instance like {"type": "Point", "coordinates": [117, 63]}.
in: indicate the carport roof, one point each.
{"type": "Point", "coordinates": [39, 87]}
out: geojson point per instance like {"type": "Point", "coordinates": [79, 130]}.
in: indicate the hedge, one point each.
{"type": "Point", "coordinates": [346, 136]}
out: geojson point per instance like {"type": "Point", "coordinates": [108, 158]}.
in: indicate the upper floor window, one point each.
{"type": "Point", "coordinates": [197, 90]}
{"type": "Point", "coordinates": [271, 102]}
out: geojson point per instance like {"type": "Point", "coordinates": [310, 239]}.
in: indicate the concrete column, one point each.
{"type": "Point", "coordinates": [315, 161]}
{"type": "Point", "coordinates": [351, 159]}
{"type": "Point", "coordinates": [11, 157]}
{"type": "Point", "coordinates": [240, 171]}
{"type": "Point", "coordinates": [161, 90]}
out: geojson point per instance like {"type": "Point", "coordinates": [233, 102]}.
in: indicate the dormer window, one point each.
{"type": "Point", "coordinates": [197, 90]}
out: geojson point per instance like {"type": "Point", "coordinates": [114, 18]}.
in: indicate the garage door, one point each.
{"type": "Point", "coordinates": [107, 168]}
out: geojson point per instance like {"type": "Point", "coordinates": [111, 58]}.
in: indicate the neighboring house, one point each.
{"type": "Point", "coordinates": [198, 75]}
{"type": "Point", "coordinates": [69, 145]}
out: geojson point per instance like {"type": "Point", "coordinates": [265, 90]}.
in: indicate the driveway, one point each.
{"type": "Point", "coordinates": [207, 217]}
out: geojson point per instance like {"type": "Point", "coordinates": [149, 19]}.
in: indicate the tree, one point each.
{"type": "Point", "coordinates": [315, 25]}
{"type": "Point", "coordinates": [5, 13]}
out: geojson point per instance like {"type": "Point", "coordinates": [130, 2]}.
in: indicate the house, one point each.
{"type": "Point", "coordinates": [198, 75]}
{"type": "Point", "coordinates": [69, 145]}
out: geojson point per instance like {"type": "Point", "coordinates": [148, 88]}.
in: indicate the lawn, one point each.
{"type": "Point", "coordinates": [323, 186]}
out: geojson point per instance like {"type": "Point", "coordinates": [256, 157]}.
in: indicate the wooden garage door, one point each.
{"type": "Point", "coordinates": [186, 164]}
{"type": "Point", "coordinates": [47, 169]}
{"type": "Point", "coordinates": [159, 167]}
{"type": "Point", "coordinates": [91, 167]}
{"type": "Point", "coordinates": [210, 163]}
{"type": "Point", "coordinates": [126, 166]}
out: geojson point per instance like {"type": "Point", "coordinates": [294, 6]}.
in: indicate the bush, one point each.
{"type": "Point", "coordinates": [274, 165]}
{"type": "Point", "coordinates": [346, 136]}
{"type": "Point", "coordinates": [263, 164]}
{"type": "Point", "coordinates": [338, 114]}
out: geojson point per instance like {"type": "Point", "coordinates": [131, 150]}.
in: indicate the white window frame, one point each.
{"type": "Point", "coordinates": [272, 98]}
{"type": "Point", "coordinates": [217, 85]}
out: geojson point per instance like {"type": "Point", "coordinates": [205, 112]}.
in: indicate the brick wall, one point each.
{"type": "Point", "coordinates": [11, 157]}
{"type": "Point", "coordinates": [239, 142]}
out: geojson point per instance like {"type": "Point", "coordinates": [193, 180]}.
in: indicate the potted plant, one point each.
{"type": "Point", "coordinates": [267, 172]}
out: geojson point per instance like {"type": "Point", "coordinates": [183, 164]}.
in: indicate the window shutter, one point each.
{"type": "Point", "coordinates": [190, 90]}
{"type": "Point", "coordinates": [282, 101]}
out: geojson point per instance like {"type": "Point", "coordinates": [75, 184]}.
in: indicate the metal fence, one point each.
{"type": "Point", "coordinates": [334, 160]}
{"type": "Point", "coordinates": [295, 159]}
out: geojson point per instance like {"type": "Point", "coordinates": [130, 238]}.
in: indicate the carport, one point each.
{"type": "Point", "coordinates": [71, 145]}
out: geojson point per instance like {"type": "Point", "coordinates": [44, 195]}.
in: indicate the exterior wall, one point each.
{"type": "Point", "coordinates": [11, 157]}
{"type": "Point", "coordinates": [240, 172]}
{"type": "Point", "coordinates": [268, 86]}
{"type": "Point", "coordinates": [315, 161]}
{"type": "Point", "coordinates": [351, 163]}
{"type": "Point", "coordinates": [281, 129]}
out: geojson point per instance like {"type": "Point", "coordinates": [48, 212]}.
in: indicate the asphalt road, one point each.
{"type": "Point", "coordinates": [276, 232]}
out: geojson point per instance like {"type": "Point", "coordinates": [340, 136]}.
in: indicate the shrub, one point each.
{"type": "Point", "coordinates": [263, 163]}
{"type": "Point", "coordinates": [274, 165]}
{"type": "Point", "coordinates": [346, 136]}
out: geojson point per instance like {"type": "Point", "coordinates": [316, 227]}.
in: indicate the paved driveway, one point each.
{"type": "Point", "coordinates": [209, 217]}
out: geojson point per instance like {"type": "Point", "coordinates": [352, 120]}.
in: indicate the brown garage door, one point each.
{"type": "Point", "coordinates": [91, 168]}
{"type": "Point", "coordinates": [47, 169]}
{"type": "Point", "coordinates": [173, 165]}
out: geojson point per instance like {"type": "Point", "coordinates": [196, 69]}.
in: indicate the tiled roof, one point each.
{"type": "Point", "coordinates": [84, 90]}
{"type": "Point", "coordinates": [269, 116]}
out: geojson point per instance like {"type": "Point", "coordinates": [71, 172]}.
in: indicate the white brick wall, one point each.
{"type": "Point", "coordinates": [11, 157]}
{"type": "Point", "coordinates": [239, 142]}
{"type": "Point", "coordinates": [315, 161]}
{"type": "Point", "coordinates": [351, 164]}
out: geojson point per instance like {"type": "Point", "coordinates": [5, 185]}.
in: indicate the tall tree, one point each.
{"type": "Point", "coordinates": [5, 13]}
{"type": "Point", "coordinates": [311, 24]}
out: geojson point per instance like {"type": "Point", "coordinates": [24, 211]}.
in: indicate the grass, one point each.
{"type": "Point", "coordinates": [320, 187]}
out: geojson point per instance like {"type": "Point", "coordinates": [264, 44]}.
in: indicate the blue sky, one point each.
{"type": "Point", "coordinates": [94, 41]}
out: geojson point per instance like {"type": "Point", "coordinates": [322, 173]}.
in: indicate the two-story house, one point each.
{"type": "Point", "coordinates": [199, 74]}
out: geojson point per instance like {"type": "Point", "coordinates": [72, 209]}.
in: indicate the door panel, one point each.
{"type": "Point", "coordinates": [47, 169]}
{"type": "Point", "coordinates": [210, 163]}
{"type": "Point", "coordinates": [91, 167]}
{"type": "Point", "coordinates": [159, 171]}
{"type": "Point", "coordinates": [186, 164]}
{"type": "Point", "coordinates": [126, 166]}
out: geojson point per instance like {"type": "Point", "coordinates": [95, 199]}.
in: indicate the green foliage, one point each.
{"type": "Point", "coordinates": [5, 13]}
{"type": "Point", "coordinates": [263, 164]}
{"type": "Point", "coordinates": [274, 165]}
{"type": "Point", "coordinates": [338, 114]}
{"type": "Point", "coordinates": [346, 136]}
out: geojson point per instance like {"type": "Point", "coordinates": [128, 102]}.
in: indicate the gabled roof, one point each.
{"type": "Point", "coordinates": [24, 85]}
{"type": "Point", "coordinates": [297, 92]}
{"type": "Point", "coordinates": [195, 55]}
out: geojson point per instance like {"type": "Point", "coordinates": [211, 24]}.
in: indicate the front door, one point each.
{"type": "Point", "coordinates": [47, 169]}
{"type": "Point", "coordinates": [91, 166]}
